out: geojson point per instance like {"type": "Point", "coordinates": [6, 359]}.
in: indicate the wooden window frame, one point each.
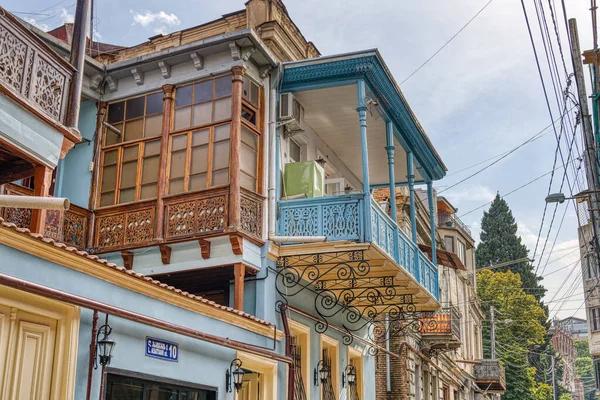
{"type": "Point", "coordinates": [258, 130]}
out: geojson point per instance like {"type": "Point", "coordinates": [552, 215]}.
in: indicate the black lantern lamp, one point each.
{"type": "Point", "coordinates": [321, 373]}
{"type": "Point", "coordinates": [104, 346]}
{"type": "Point", "coordinates": [349, 375]}
{"type": "Point", "coordinates": [234, 374]}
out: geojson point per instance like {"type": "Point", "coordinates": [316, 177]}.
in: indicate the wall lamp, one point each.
{"type": "Point", "coordinates": [234, 374]}
{"type": "Point", "coordinates": [104, 346]}
{"type": "Point", "coordinates": [321, 373]}
{"type": "Point", "coordinates": [349, 376]}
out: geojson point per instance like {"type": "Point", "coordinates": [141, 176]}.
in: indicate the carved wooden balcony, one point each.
{"type": "Point", "coordinates": [30, 73]}
{"type": "Point", "coordinates": [441, 331]}
{"type": "Point", "coordinates": [69, 227]}
{"type": "Point", "coordinates": [490, 376]}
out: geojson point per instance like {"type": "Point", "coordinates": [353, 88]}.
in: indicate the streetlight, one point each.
{"type": "Point", "coordinates": [322, 374]}
{"type": "Point", "coordinates": [105, 345]}
{"type": "Point", "coordinates": [560, 197]}
{"type": "Point", "coordinates": [349, 375]}
{"type": "Point", "coordinates": [235, 373]}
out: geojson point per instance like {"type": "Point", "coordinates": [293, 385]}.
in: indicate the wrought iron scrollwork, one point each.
{"type": "Point", "coordinates": [345, 290]}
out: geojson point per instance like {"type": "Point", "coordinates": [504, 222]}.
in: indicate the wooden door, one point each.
{"type": "Point", "coordinates": [27, 343]}
{"type": "Point", "coordinates": [250, 387]}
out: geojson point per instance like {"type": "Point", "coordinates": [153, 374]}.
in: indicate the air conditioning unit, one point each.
{"type": "Point", "coordinates": [291, 112]}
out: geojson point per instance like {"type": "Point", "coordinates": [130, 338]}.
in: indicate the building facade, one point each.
{"type": "Point", "coordinates": [223, 231]}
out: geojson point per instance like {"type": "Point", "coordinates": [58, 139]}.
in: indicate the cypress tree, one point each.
{"type": "Point", "coordinates": [499, 243]}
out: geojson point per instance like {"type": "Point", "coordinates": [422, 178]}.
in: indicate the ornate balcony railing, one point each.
{"type": "Point", "coordinates": [444, 322]}
{"type": "Point", "coordinates": [32, 73]}
{"type": "Point", "coordinates": [342, 218]}
{"type": "Point", "coordinates": [447, 219]}
{"type": "Point", "coordinates": [490, 375]}
{"type": "Point", "coordinates": [69, 227]}
{"type": "Point", "coordinates": [133, 225]}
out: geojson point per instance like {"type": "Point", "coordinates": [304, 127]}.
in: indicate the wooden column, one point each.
{"type": "Point", "coordinates": [162, 168]}
{"type": "Point", "coordinates": [235, 148]}
{"type": "Point", "coordinates": [97, 160]}
{"type": "Point", "coordinates": [42, 179]}
{"type": "Point", "coordinates": [239, 271]}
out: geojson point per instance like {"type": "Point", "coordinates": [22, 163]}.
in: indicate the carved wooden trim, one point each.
{"type": "Point", "coordinates": [42, 177]}
{"type": "Point", "coordinates": [235, 147]}
{"type": "Point", "coordinates": [127, 259]}
{"type": "Point", "coordinates": [204, 248]}
{"type": "Point", "coordinates": [237, 244]}
{"type": "Point", "coordinates": [239, 272]}
{"type": "Point", "coordinates": [159, 233]}
{"type": "Point", "coordinates": [165, 254]}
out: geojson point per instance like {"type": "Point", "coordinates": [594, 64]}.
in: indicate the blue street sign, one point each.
{"type": "Point", "coordinates": [162, 349]}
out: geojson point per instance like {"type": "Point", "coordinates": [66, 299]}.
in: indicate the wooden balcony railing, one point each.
{"type": "Point", "coordinates": [444, 322]}
{"type": "Point", "coordinates": [133, 225]}
{"type": "Point", "coordinates": [69, 227]}
{"type": "Point", "coordinates": [32, 73]}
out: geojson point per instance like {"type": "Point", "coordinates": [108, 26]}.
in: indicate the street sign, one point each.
{"type": "Point", "coordinates": [162, 349]}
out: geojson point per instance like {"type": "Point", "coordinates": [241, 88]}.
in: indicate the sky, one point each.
{"type": "Point", "coordinates": [479, 97]}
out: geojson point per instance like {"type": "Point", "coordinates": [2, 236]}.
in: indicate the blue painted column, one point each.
{"type": "Point", "coordinates": [389, 135]}
{"type": "Point", "coordinates": [432, 222]}
{"type": "Point", "coordinates": [362, 116]}
{"type": "Point", "coordinates": [410, 171]}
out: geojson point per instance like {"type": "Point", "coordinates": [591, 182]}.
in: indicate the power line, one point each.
{"type": "Point", "coordinates": [447, 42]}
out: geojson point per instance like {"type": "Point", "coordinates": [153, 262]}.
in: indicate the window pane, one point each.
{"type": "Point", "coordinates": [200, 137]}
{"type": "Point", "coordinates": [220, 177]}
{"type": "Point", "coordinates": [179, 142]}
{"type": "Point", "coordinates": [197, 182]}
{"type": "Point", "coordinates": [154, 103]}
{"type": "Point", "coordinates": [111, 137]}
{"type": "Point", "coordinates": [110, 157]}
{"type": "Point", "coordinates": [183, 96]}
{"type": "Point", "coordinates": [182, 118]}
{"type": "Point", "coordinates": [222, 109]}
{"type": "Point", "coordinates": [115, 112]}
{"type": "Point", "coordinates": [223, 86]}
{"type": "Point", "coordinates": [152, 148]}
{"type": "Point", "coordinates": [107, 199]}
{"type": "Point", "coordinates": [249, 115]}
{"type": "Point", "coordinates": [247, 182]}
{"type": "Point", "coordinates": [148, 191]}
{"type": "Point", "coordinates": [249, 138]}
{"type": "Point", "coordinates": [177, 164]}
{"type": "Point", "coordinates": [127, 196]}
{"type": "Point", "coordinates": [254, 89]}
{"type": "Point", "coordinates": [175, 186]}
{"type": "Point", "coordinates": [203, 91]}
{"type": "Point", "coordinates": [294, 151]}
{"type": "Point", "coordinates": [221, 132]}
{"type": "Point", "coordinates": [130, 153]}
{"type": "Point", "coordinates": [135, 108]}
{"type": "Point", "coordinates": [109, 178]}
{"type": "Point", "coordinates": [153, 126]}
{"type": "Point", "coordinates": [199, 159]}
{"type": "Point", "coordinates": [246, 88]}
{"type": "Point", "coordinates": [134, 130]}
{"type": "Point", "coordinates": [202, 114]}
{"type": "Point", "coordinates": [128, 174]}
{"type": "Point", "coordinates": [150, 172]}
{"type": "Point", "coordinates": [221, 155]}
{"type": "Point", "coordinates": [248, 160]}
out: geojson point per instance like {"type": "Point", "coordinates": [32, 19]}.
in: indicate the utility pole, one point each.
{"type": "Point", "coordinates": [492, 333]}
{"type": "Point", "coordinates": [553, 381]}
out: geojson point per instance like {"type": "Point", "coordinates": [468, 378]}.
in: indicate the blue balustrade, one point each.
{"type": "Point", "coordinates": [342, 218]}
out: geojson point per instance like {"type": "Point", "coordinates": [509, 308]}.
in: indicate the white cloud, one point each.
{"type": "Point", "coordinates": [66, 17]}
{"type": "Point", "coordinates": [157, 21]}
{"type": "Point", "coordinates": [478, 193]}
{"type": "Point", "coordinates": [38, 25]}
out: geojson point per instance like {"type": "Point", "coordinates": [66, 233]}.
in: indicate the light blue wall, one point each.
{"type": "Point", "coordinates": [74, 178]}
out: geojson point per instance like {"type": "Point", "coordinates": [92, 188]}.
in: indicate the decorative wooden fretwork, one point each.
{"type": "Point", "coordinates": [21, 217]}
{"type": "Point", "coordinates": [197, 216]}
{"type": "Point", "coordinates": [75, 227]}
{"type": "Point", "coordinates": [28, 68]}
{"type": "Point", "coordinates": [54, 225]}
{"type": "Point", "coordinates": [110, 230]}
{"type": "Point", "coordinates": [251, 214]}
{"type": "Point", "coordinates": [125, 227]}
{"type": "Point", "coordinates": [140, 226]}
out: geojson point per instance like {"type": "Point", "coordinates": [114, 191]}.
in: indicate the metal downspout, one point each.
{"type": "Point", "coordinates": [288, 353]}
{"type": "Point", "coordinates": [92, 354]}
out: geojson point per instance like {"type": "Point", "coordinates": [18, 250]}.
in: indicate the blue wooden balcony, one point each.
{"type": "Point", "coordinates": [342, 218]}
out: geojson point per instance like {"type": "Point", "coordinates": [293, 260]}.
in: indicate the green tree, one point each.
{"type": "Point", "coordinates": [583, 348]}
{"type": "Point", "coordinates": [518, 328]}
{"type": "Point", "coordinates": [565, 396]}
{"type": "Point", "coordinates": [585, 371]}
{"type": "Point", "coordinates": [537, 390]}
{"type": "Point", "coordinates": [499, 243]}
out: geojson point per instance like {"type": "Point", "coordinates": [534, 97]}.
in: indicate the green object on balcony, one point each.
{"type": "Point", "coordinates": [306, 178]}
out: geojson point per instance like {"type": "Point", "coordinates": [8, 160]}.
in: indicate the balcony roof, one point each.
{"type": "Point", "coordinates": [368, 65]}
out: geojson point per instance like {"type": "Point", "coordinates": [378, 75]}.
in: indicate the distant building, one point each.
{"type": "Point", "coordinates": [577, 326]}
{"type": "Point", "coordinates": [562, 341]}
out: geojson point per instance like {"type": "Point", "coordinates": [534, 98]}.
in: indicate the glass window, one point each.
{"type": "Point", "coordinates": [249, 159]}
{"type": "Point", "coordinates": [203, 103]}
{"type": "Point", "coordinates": [294, 151]}
{"type": "Point", "coordinates": [134, 119]}
{"type": "Point", "coordinates": [595, 319]}
{"type": "Point", "coordinates": [449, 243]}
{"type": "Point", "coordinates": [461, 251]}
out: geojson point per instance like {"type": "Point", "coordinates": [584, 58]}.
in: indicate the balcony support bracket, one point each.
{"type": "Point", "coordinates": [165, 254]}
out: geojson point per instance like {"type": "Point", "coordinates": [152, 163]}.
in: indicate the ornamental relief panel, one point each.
{"type": "Point", "coordinates": [181, 219]}
{"type": "Point", "coordinates": [74, 229]}
{"type": "Point", "coordinates": [251, 216]}
{"type": "Point", "coordinates": [140, 226]}
{"type": "Point", "coordinates": [110, 230]}
{"type": "Point", "coordinates": [212, 214]}
{"type": "Point", "coordinates": [48, 87]}
{"type": "Point", "coordinates": [21, 217]}
{"type": "Point", "coordinates": [196, 216]}
{"type": "Point", "coordinates": [54, 225]}
{"type": "Point", "coordinates": [13, 54]}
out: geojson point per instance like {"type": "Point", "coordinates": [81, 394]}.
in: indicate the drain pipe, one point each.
{"type": "Point", "coordinates": [274, 168]}
{"type": "Point", "coordinates": [35, 202]}
{"type": "Point", "coordinates": [288, 353]}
